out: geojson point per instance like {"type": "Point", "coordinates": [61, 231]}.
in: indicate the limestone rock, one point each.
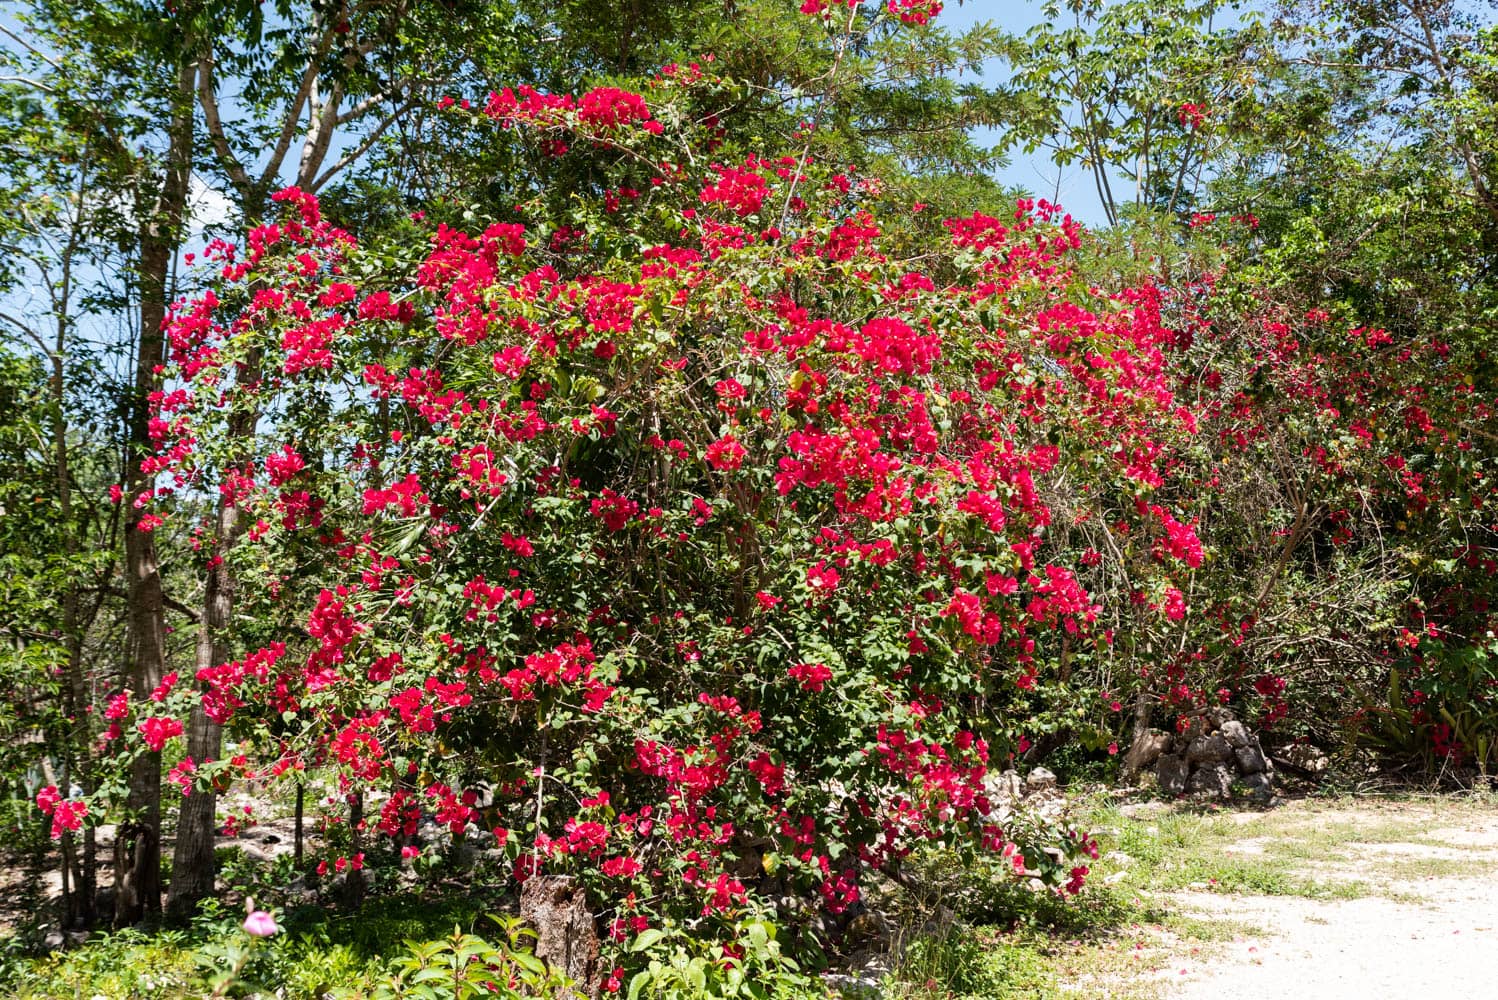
{"type": "Point", "coordinates": [1172, 771]}
{"type": "Point", "coordinates": [1305, 757]}
{"type": "Point", "coordinates": [1257, 788]}
{"type": "Point", "coordinates": [1211, 780]}
{"type": "Point", "coordinates": [1250, 759]}
{"type": "Point", "coordinates": [1004, 788]}
{"type": "Point", "coordinates": [1235, 733]}
{"type": "Point", "coordinates": [1211, 749]}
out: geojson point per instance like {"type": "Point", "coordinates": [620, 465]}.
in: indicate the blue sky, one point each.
{"type": "Point", "coordinates": [1073, 186]}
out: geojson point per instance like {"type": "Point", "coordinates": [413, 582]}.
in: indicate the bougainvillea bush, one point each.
{"type": "Point", "coordinates": [713, 537]}
{"type": "Point", "coordinates": [713, 542]}
{"type": "Point", "coordinates": [1352, 477]}
{"type": "Point", "coordinates": [699, 551]}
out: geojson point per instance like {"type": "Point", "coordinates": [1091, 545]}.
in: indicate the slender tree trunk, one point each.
{"type": "Point", "coordinates": [354, 883]}
{"type": "Point", "coordinates": [80, 901]}
{"type": "Point", "coordinates": [301, 796]}
{"type": "Point", "coordinates": [138, 842]}
{"type": "Point", "coordinates": [193, 866]}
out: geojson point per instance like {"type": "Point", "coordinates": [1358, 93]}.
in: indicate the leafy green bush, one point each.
{"type": "Point", "coordinates": [316, 953]}
{"type": "Point", "coordinates": [682, 966]}
{"type": "Point", "coordinates": [464, 966]}
{"type": "Point", "coordinates": [130, 963]}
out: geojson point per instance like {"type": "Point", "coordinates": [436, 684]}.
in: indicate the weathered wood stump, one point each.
{"type": "Point", "coordinates": [566, 931]}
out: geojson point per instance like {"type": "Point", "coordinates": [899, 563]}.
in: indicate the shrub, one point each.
{"type": "Point", "coordinates": [699, 565]}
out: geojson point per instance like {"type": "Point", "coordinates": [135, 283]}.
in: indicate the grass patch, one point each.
{"type": "Point", "coordinates": [1175, 850]}
{"type": "Point", "coordinates": [1410, 869]}
{"type": "Point", "coordinates": [315, 953]}
{"type": "Point", "coordinates": [964, 963]}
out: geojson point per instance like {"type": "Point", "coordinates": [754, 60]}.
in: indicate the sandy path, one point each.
{"type": "Point", "coordinates": [1418, 935]}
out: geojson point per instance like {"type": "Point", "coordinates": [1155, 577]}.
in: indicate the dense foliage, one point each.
{"type": "Point", "coordinates": [659, 456]}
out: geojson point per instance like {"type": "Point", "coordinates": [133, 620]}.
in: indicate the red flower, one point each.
{"type": "Point", "coordinates": [158, 729]}
{"type": "Point", "coordinates": [67, 814]}
{"type": "Point", "coordinates": [620, 867]}
{"type": "Point", "coordinates": [725, 454]}
{"type": "Point", "coordinates": [1174, 605]}
{"type": "Point", "coordinates": [813, 676]}
{"type": "Point", "coordinates": [822, 577]}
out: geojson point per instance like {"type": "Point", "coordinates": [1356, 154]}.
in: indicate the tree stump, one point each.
{"type": "Point", "coordinates": [566, 932]}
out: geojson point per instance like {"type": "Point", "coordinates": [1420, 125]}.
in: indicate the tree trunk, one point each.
{"type": "Point", "coordinates": [193, 866]}
{"type": "Point", "coordinates": [566, 930]}
{"type": "Point", "coordinates": [138, 844]}
{"type": "Point", "coordinates": [301, 796]}
{"type": "Point", "coordinates": [354, 882]}
{"type": "Point", "coordinates": [80, 903]}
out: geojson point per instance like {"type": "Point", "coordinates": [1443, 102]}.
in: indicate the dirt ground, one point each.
{"type": "Point", "coordinates": [1421, 920]}
{"type": "Point", "coordinates": [28, 892]}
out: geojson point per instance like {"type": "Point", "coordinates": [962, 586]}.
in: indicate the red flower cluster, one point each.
{"type": "Point", "coordinates": [914, 11]}
{"type": "Point", "coordinates": [67, 814]}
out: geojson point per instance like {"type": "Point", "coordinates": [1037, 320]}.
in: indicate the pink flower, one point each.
{"type": "Point", "coordinates": [260, 924]}
{"type": "Point", "coordinates": [181, 775]}
{"type": "Point", "coordinates": [614, 510]}
{"type": "Point", "coordinates": [620, 867]}
{"type": "Point", "coordinates": [822, 577]}
{"type": "Point", "coordinates": [282, 466]}
{"type": "Point", "coordinates": [725, 454]}
{"type": "Point", "coordinates": [818, 6]}
{"type": "Point", "coordinates": [67, 814]}
{"type": "Point", "coordinates": [914, 11]}
{"type": "Point", "coordinates": [165, 687]}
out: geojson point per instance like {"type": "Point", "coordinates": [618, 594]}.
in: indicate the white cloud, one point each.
{"type": "Point", "coordinates": [209, 210]}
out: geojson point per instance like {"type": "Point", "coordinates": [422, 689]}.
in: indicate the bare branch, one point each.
{"type": "Point", "coordinates": [27, 331]}
{"type": "Point", "coordinates": [30, 48]}
{"type": "Point", "coordinates": [209, 100]}
{"type": "Point", "coordinates": [319, 137]}
{"type": "Point", "coordinates": [306, 91]}
{"type": "Point", "coordinates": [28, 81]}
{"type": "Point", "coordinates": [364, 145]}
{"type": "Point", "coordinates": [369, 103]}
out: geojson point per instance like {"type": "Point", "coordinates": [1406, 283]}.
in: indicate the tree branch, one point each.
{"type": "Point", "coordinates": [368, 104]}
{"type": "Point", "coordinates": [294, 110]}
{"type": "Point", "coordinates": [363, 146]}
{"type": "Point", "coordinates": [27, 331]}
{"type": "Point", "coordinates": [30, 48]}
{"type": "Point", "coordinates": [209, 100]}
{"type": "Point", "coordinates": [36, 84]}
